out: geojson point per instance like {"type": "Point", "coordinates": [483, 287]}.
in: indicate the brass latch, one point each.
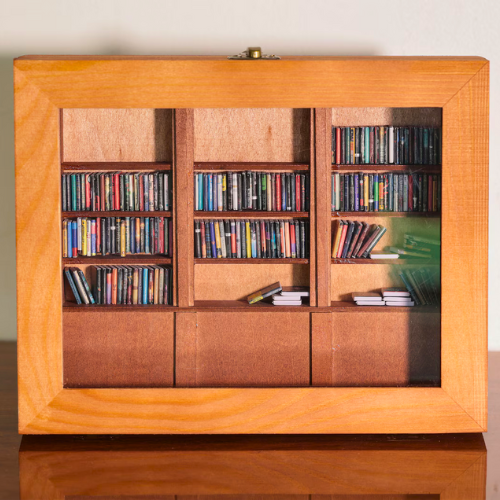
{"type": "Point", "coordinates": [252, 53]}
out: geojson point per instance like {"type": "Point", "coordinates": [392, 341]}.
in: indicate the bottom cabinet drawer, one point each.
{"type": "Point", "coordinates": [124, 349]}
{"type": "Point", "coordinates": [370, 349]}
{"type": "Point", "coordinates": [221, 349]}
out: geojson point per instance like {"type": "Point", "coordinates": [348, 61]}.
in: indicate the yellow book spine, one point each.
{"type": "Point", "coordinates": [381, 189]}
{"type": "Point", "coordinates": [249, 239]}
{"type": "Point", "coordinates": [336, 241]}
{"type": "Point", "coordinates": [123, 238]}
{"type": "Point", "coordinates": [287, 240]}
{"type": "Point", "coordinates": [217, 240]}
{"type": "Point", "coordinates": [84, 236]}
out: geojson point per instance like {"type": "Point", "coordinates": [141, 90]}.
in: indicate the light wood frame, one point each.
{"type": "Point", "coordinates": [44, 85]}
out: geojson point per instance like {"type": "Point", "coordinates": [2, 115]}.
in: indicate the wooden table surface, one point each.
{"type": "Point", "coordinates": [248, 467]}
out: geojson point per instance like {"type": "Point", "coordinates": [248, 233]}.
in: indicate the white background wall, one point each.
{"type": "Point", "coordinates": [293, 27]}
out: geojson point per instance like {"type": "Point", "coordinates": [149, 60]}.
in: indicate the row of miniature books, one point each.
{"type": "Point", "coordinates": [100, 236]}
{"type": "Point", "coordinates": [122, 285]}
{"type": "Point", "coordinates": [249, 190]}
{"type": "Point", "coordinates": [120, 191]}
{"type": "Point", "coordinates": [378, 145]}
{"type": "Point", "coordinates": [251, 239]}
{"type": "Point", "coordinates": [355, 239]}
{"type": "Point", "coordinates": [394, 297]}
{"type": "Point", "coordinates": [281, 296]}
{"type": "Point", "coordinates": [386, 192]}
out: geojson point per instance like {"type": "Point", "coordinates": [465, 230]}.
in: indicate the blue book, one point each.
{"type": "Point", "coordinates": [253, 236]}
{"type": "Point", "coordinates": [391, 194]}
{"type": "Point", "coordinates": [356, 192]}
{"type": "Point", "coordinates": [210, 193]}
{"type": "Point", "coordinates": [212, 240]}
{"type": "Point", "coordinates": [70, 239]}
{"type": "Point", "coordinates": [67, 272]}
{"type": "Point", "coordinates": [132, 235]}
{"type": "Point", "coordinates": [145, 285]}
{"type": "Point", "coordinates": [283, 193]}
{"type": "Point", "coordinates": [205, 191]}
{"type": "Point", "coordinates": [86, 286]}
{"type": "Point", "coordinates": [74, 230]}
{"type": "Point", "coordinates": [200, 191]}
{"type": "Point", "coordinates": [367, 144]}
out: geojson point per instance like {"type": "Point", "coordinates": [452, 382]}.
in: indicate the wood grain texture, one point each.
{"type": "Point", "coordinates": [255, 469]}
{"type": "Point", "coordinates": [395, 116]}
{"type": "Point", "coordinates": [117, 135]}
{"type": "Point", "coordinates": [45, 84]}
{"type": "Point", "coordinates": [243, 350]}
{"type": "Point", "coordinates": [184, 208]}
{"type": "Point", "coordinates": [376, 349]}
{"type": "Point", "coordinates": [39, 290]}
{"type": "Point", "coordinates": [251, 135]}
{"type": "Point", "coordinates": [130, 349]}
{"type": "Point", "coordinates": [234, 282]}
{"type": "Point", "coordinates": [290, 83]}
{"type": "Point", "coordinates": [322, 166]}
{"type": "Point", "coordinates": [465, 245]}
{"type": "Point", "coordinates": [309, 410]}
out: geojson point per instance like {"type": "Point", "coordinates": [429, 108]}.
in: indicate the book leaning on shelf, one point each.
{"type": "Point", "coordinates": [122, 285]}
{"type": "Point", "coordinates": [123, 191]}
{"type": "Point", "coordinates": [86, 236]}
{"type": "Point", "coordinates": [379, 145]}
{"type": "Point", "coordinates": [272, 192]}
{"type": "Point", "coordinates": [385, 192]}
{"type": "Point", "coordinates": [355, 239]}
{"type": "Point", "coordinates": [251, 239]}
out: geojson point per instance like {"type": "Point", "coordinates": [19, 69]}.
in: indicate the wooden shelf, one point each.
{"type": "Point", "coordinates": [241, 166]}
{"type": "Point", "coordinates": [74, 307]}
{"type": "Point", "coordinates": [230, 214]}
{"type": "Point", "coordinates": [115, 213]}
{"type": "Point", "coordinates": [251, 261]}
{"type": "Point", "coordinates": [116, 259]}
{"type": "Point", "coordinates": [113, 166]}
{"type": "Point", "coordinates": [344, 215]}
{"type": "Point", "coordinates": [425, 169]}
{"type": "Point", "coordinates": [351, 307]}
{"type": "Point", "coordinates": [401, 262]}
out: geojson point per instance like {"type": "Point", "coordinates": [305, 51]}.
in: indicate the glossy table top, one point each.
{"type": "Point", "coordinates": [392, 467]}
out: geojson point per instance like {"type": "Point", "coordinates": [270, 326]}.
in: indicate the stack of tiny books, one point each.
{"type": "Point", "coordinates": [395, 297]}
{"type": "Point", "coordinates": [282, 296]}
{"type": "Point", "coordinates": [290, 296]}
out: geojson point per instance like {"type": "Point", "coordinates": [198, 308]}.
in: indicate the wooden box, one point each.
{"type": "Point", "coordinates": [210, 363]}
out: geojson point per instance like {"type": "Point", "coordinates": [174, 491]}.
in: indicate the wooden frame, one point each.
{"type": "Point", "coordinates": [44, 85]}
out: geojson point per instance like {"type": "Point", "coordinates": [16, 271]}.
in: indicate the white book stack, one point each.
{"type": "Point", "coordinates": [368, 299]}
{"type": "Point", "coordinates": [290, 296]}
{"type": "Point", "coordinates": [397, 297]}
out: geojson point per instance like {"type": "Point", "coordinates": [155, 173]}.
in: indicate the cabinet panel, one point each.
{"type": "Point", "coordinates": [253, 349]}
{"type": "Point", "coordinates": [124, 349]}
{"type": "Point", "coordinates": [370, 349]}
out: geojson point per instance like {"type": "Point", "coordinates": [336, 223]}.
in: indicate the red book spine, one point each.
{"type": "Point", "coordinates": [162, 236]}
{"type": "Point", "coordinates": [141, 193]}
{"type": "Point", "coordinates": [338, 146]}
{"type": "Point", "coordinates": [170, 238]}
{"type": "Point", "coordinates": [297, 193]}
{"type": "Point", "coordinates": [263, 238]}
{"type": "Point", "coordinates": [98, 235]}
{"type": "Point", "coordinates": [203, 242]}
{"type": "Point", "coordinates": [293, 246]}
{"type": "Point", "coordinates": [278, 192]}
{"type": "Point", "coordinates": [102, 204]}
{"type": "Point", "coordinates": [116, 187]}
{"type": "Point", "coordinates": [87, 192]}
{"type": "Point", "coordinates": [114, 286]}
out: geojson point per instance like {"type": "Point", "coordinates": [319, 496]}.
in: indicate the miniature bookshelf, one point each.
{"type": "Point", "coordinates": [210, 339]}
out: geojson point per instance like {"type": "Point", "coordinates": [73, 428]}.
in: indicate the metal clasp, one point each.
{"type": "Point", "coordinates": [251, 54]}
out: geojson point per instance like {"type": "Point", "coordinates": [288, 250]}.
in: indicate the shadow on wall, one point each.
{"type": "Point", "coordinates": [7, 203]}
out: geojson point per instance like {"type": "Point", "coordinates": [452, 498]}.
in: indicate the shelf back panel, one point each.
{"type": "Point", "coordinates": [116, 135]}
{"type": "Point", "coordinates": [252, 135]}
